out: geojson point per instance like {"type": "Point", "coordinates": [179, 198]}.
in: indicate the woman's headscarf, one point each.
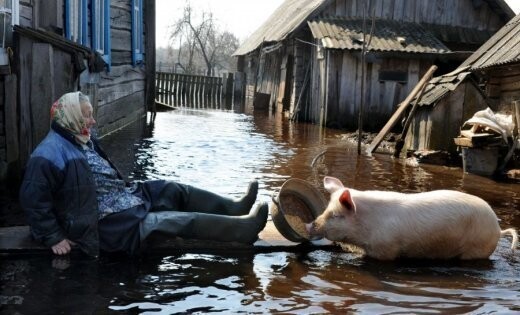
{"type": "Point", "coordinates": [66, 112]}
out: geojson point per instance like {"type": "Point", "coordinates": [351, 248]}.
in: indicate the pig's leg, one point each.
{"type": "Point", "coordinates": [384, 251]}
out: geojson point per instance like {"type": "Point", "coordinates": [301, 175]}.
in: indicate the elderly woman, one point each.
{"type": "Point", "coordinates": [73, 195]}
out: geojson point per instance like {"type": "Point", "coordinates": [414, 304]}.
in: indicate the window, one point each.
{"type": "Point", "coordinates": [87, 22]}
{"type": "Point", "coordinates": [76, 21]}
{"type": "Point", "coordinates": [101, 28]}
{"type": "Point", "coordinates": [137, 32]}
{"type": "Point", "coordinates": [388, 75]}
{"type": "Point", "coordinates": [9, 16]}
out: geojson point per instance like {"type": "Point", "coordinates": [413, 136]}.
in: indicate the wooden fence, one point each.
{"type": "Point", "coordinates": [194, 91]}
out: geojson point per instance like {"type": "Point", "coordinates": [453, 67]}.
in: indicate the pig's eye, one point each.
{"type": "Point", "coordinates": [337, 215]}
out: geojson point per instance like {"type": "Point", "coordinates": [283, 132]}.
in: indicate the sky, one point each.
{"type": "Point", "coordinates": [240, 17]}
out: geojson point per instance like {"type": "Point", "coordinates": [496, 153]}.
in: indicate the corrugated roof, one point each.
{"type": "Point", "coordinates": [293, 13]}
{"type": "Point", "coordinates": [459, 34]}
{"type": "Point", "coordinates": [283, 21]}
{"type": "Point", "coordinates": [502, 48]}
{"type": "Point", "coordinates": [439, 87]}
{"type": "Point", "coordinates": [389, 35]}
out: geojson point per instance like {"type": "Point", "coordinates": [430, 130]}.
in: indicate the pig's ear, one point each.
{"type": "Point", "coordinates": [346, 200]}
{"type": "Point", "coordinates": [332, 184]}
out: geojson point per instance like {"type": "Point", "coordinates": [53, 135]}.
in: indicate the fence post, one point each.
{"type": "Point", "coordinates": [170, 89]}
{"type": "Point", "coordinates": [162, 87]}
{"type": "Point", "coordinates": [238, 91]}
{"type": "Point", "coordinates": [228, 91]}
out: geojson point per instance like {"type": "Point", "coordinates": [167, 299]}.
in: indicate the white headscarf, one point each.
{"type": "Point", "coordinates": [66, 112]}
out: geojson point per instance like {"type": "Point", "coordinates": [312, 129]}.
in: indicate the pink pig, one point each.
{"type": "Point", "coordinates": [439, 224]}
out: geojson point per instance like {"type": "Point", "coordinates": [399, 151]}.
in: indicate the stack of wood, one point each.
{"type": "Point", "coordinates": [479, 136]}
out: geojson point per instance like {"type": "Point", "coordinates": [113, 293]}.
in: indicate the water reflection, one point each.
{"type": "Point", "coordinates": [223, 151]}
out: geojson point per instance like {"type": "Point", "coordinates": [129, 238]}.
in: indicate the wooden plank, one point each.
{"type": "Point", "coordinates": [400, 110]}
{"type": "Point", "coordinates": [42, 89]}
{"type": "Point", "coordinates": [25, 64]}
{"type": "Point", "coordinates": [340, 8]}
{"type": "Point", "coordinates": [398, 14]}
{"type": "Point", "coordinates": [17, 239]}
{"type": "Point", "coordinates": [11, 110]}
{"type": "Point", "coordinates": [65, 80]}
{"type": "Point", "coordinates": [388, 9]}
{"type": "Point", "coordinates": [174, 89]}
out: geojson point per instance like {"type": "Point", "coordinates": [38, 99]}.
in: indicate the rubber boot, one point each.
{"type": "Point", "coordinates": [206, 226]}
{"type": "Point", "coordinates": [208, 202]}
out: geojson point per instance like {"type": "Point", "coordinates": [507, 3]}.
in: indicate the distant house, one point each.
{"type": "Point", "coordinates": [305, 59]}
{"type": "Point", "coordinates": [103, 48]}
{"type": "Point", "coordinates": [490, 77]}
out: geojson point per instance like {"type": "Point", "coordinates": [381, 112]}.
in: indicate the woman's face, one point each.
{"type": "Point", "coordinates": [86, 110]}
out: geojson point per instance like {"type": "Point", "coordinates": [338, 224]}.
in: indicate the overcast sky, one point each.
{"type": "Point", "coordinates": [240, 17]}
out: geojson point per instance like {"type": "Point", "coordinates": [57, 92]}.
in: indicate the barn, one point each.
{"type": "Point", "coordinates": [490, 77]}
{"type": "Point", "coordinates": [307, 59]}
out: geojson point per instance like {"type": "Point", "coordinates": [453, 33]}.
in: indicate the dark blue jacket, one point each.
{"type": "Point", "coordinates": [58, 193]}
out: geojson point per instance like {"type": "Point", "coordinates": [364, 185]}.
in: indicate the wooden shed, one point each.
{"type": "Point", "coordinates": [448, 101]}
{"type": "Point", "coordinates": [104, 48]}
{"type": "Point", "coordinates": [306, 58]}
{"type": "Point", "coordinates": [490, 77]}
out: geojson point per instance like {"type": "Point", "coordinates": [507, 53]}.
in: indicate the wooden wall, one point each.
{"type": "Point", "coordinates": [464, 13]}
{"type": "Point", "coordinates": [121, 92]}
{"type": "Point", "coordinates": [42, 73]}
{"type": "Point", "coordinates": [434, 127]}
{"type": "Point", "coordinates": [344, 76]}
{"type": "Point", "coordinates": [503, 87]}
{"type": "Point", "coordinates": [343, 68]}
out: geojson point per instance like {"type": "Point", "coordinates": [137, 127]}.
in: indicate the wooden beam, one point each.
{"type": "Point", "coordinates": [400, 110]}
{"type": "Point", "coordinates": [42, 89]}
{"type": "Point", "coordinates": [11, 110]}
{"type": "Point", "coordinates": [150, 57]}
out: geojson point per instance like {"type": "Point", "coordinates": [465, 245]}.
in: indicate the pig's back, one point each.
{"type": "Point", "coordinates": [436, 224]}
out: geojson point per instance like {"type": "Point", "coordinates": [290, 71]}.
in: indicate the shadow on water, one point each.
{"type": "Point", "coordinates": [223, 151]}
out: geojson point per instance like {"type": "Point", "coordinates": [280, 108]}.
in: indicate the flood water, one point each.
{"type": "Point", "coordinates": [223, 151]}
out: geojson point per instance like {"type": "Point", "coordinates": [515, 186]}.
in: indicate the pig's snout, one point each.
{"type": "Point", "coordinates": [311, 228]}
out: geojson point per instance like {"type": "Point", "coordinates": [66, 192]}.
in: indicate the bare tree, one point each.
{"type": "Point", "coordinates": [200, 41]}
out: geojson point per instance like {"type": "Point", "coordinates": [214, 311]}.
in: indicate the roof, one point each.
{"type": "Point", "coordinates": [291, 14]}
{"type": "Point", "coordinates": [389, 35]}
{"type": "Point", "coordinates": [438, 87]}
{"type": "Point", "coordinates": [284, 20]}
{"type": "Point", "coordinates": [502, 48]}
{"type": "Point", "coordinates": [459, 34]}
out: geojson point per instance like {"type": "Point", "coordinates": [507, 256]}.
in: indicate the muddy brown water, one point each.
{"type": "Point", "coordinates": [223, 151]}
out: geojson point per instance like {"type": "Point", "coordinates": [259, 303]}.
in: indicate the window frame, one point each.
{"type": "Point", "coordinates": [137, 32]}
{"type": "Point", "coordinates": [90, 14]}
{"type": "Point", "coordinates": [14, 11]}
{"type": "Point", "coordinates": [106, 51]}
{"type": "Point", "coordinates": [84, 36]}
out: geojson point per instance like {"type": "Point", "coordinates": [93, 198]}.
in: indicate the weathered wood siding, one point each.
{"type": "Point", "coordinates": [344, 76]}
{"type": "Point", "coordinates": [434, 127]}
{"type": "Point", "coordinates": [343, 68]}
{"type": "Point", "coordinates": [42, 73]}
{"type": "Point", "coordinates": [121, 92]}
{"type": "Point", "coordinates": [464, 13]}
{"type": "Point", "coordinates": [503, 87]}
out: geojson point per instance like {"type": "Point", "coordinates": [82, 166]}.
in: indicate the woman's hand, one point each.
{"type": "Point", "coordinates": [63, 247]}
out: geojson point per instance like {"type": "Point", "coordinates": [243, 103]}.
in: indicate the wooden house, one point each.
{"type": "Point", "coordinates": [306, 60]}
{"type": "Point", "coordinates": [490, 77]}
{"type": "Point", "coordinates": [104, 48]}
